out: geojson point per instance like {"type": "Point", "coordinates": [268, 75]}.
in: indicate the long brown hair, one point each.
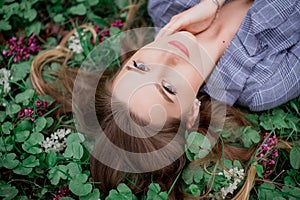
{"type": "Point", "coordinates": [109, 122]}
{"type": "Point", "coordinates": [138, 182]}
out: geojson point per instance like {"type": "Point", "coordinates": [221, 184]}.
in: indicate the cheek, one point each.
{"type": "Point", "coordinates": [193, 77]}
{"type": "Point", "coordinates": [186, 97]}
{"type": "Point", "coordinates": [187, 87]}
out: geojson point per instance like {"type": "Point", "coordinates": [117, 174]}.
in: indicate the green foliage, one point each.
{"type": "Point", "coordinates": [268, 191]}
{"type": "Point", "coordinates": [123, 192]}
{"type": "Point", "coordinates": [197, 145]}
{"type": "Point", "coordinates": [32, 15]}
{"type": "Point", "coordinates": [7, 191]}
{"type": "Point", "coordinates": [155, 193]}
{"type": "Point", "coordinates": [294, 157]}
{"type": "Point", "coordinates": [14, 13]}
{"type": "Point", "coordinates": [79, 186]}
{"type": "Point", "coordinates": [197, 179]}
{"type": "Point", "coordinates": [284, 119]}
{"type": "Point", "coordinates": [259, 170]}
{"type": "Point", "coordinates": [241, 136]}
{"type": "Point", "coordinates": [30, 170]}
{"type": "Point", "coordinates": [250, 137]}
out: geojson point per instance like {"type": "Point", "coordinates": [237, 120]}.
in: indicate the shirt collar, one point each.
{"type": "Point", "coordinates": [267, 14]}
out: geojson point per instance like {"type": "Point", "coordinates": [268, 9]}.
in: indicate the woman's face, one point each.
{"type": "Point", "coordinates": [161, 80]}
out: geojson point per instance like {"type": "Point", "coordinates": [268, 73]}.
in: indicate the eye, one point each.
{"type": "Point", "coordinates": [168, 87]}
{"type": "Point", "coordinates": [140, 66]}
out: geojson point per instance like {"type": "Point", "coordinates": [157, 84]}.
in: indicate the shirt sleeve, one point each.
{"type": "Point", "coordinates": [227, 81]}
{"type": "Point", "coordinates": [260, 69]}
{"type": "Point", "coordinates": [282, 86]}
{"type": "Point", "coordinates": [161, 11]}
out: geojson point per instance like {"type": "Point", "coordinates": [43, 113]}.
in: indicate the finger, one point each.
{"type": "Point", "coordinates": [169, 29]}
{"type": "Point", "coordinates": [175, 24]}
{"type": "Point", "coordinates": [162, 33]}
{"type": "Point", "coordinates": [166, 30]}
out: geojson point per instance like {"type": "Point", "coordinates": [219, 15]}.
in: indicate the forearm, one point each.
{"type": "Point", "coordinates": [213, 4]}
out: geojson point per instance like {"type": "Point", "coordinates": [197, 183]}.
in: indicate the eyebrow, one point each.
{"type": "Point", "coordinates": [163, 94]}
{"type": "Point", "coordinates": [128, 68]}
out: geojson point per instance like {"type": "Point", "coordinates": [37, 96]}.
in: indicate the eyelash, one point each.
{"type": "Point", "coordinates": [140, 66]}
{"type": "Point", "coordinates": [169, 88]}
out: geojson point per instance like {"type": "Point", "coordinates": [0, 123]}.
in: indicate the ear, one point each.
{"type": "Point", "coordinates": [193, 114]}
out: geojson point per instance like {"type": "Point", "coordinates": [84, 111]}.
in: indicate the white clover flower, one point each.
{"type": "Point", "coordinates": [4, 80]}
{"type": "Point", "coordinates": [56, 141]}
{"type": "Point", "coordinates": [77, 48]}
{"type": "Point", "coordinates": [236, 175]}
{"type": "Point", "coordinates": [74, 42]}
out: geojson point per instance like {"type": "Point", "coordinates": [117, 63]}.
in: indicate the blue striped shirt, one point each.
{"type": "Point", "coordinates": [260, 69]}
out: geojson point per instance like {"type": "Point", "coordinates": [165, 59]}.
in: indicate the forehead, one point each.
{"type": "Point", "coordinates": [146, 102]}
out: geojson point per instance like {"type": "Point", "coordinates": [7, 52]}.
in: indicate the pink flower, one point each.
{"type": "Point", "coordinates": [105, 31]}
{"type": "Point", "coordinates": [268, 154]}
{"type": "Point", "coordinates": [63, 192]}
{"type": "Point", "coordinates": [118, 23]}
{"type": "Point", "coordinates": [21, 49]}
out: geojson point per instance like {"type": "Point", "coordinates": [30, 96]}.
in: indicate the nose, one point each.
{"type": "Point", "coordinates": [166, 59]}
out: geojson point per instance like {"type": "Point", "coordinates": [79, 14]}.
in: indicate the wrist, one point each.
{"type": "Point", "coordinates": [218, 7]}
{"type": "Point", "coordinates": [215, 6]}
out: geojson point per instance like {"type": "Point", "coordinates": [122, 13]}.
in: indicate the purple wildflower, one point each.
{"type": "Point", "coordinates": [27, 112]}
{"type": "Point", "coordinates": [105, 31]}
{"type": "Point", "coordinates": [268, 154]}
{"type": "Point", "coordinates": [41, 108]}
{"type": "Point", "coordinates": [118, 23]}
{"type": "Point", "coordinates": [62, 192]}
{"type": "Point", "coordinates": [20, 48]}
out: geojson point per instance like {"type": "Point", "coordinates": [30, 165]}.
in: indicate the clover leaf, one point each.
{"type": "Point", "coordinates": [74, 169]}
{"type": "Point", "coordinates": [31, 145]}
{"type": "Point", "coordinates": [21, 136]}
{"type": "Point", "coordinates": [2, 116]}
{"type": "Point", "coordinates": [26, 95]}
{"type": "Point", "coordinates": [7, 127]}
{"type": "Point", "coordinates": [123, 192]}
{"type": "Point", "coordinates": [95, 195]}
{"type": "Point", "coordinates": [7, 191]}
{"type": "Point", "coordinates": [56, 173]}
{"type": "Point", "coordinates": [197, 146]}
{"type": "Point", "coordinates": [154, 193]}
{"type": "Point", "coordinates": [21, 170]}
{"type": "Point", "coordinates": [194, 190]}
{"type": "Point", "coordinates": [51, 158]}
{"type": "Point", "coordinates": [20, 70]}
{"type": "Point", "coordinates": [79, 186]}
{"type": "Point", "coordinates": [250, 136]}
{"type": "Point", "coordinates": [12, 109]}
{"type": "Point", "coordinates": [30, 161]}
{"type": "Point", "coordinates": [9, 161]}
{"type": "Point", "coordinates": [74, 150]}
{"type": "Point", "coordinates": [39, 124]}
{"type": "Point", "coordinates": [294, 157]}
{"type": "Point", "coordinates": [192, 174]}
{"type": "Point", "coordinates": [6, 144]}
{"type": "Point", "coordinates": [79, 9]}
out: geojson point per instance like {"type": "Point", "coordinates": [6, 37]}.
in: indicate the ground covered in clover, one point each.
{"type": "Point", "coordinates": [42, 156]}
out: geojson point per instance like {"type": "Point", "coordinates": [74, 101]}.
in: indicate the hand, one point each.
{"type": "Point", "coordinates": [194, 20]}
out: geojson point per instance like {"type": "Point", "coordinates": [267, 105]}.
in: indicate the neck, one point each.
{"type": "Point", "coordinates": [217, 37]}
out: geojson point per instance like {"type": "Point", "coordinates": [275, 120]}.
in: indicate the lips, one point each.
{"type": "Point", "coordinates": [180, 46]}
